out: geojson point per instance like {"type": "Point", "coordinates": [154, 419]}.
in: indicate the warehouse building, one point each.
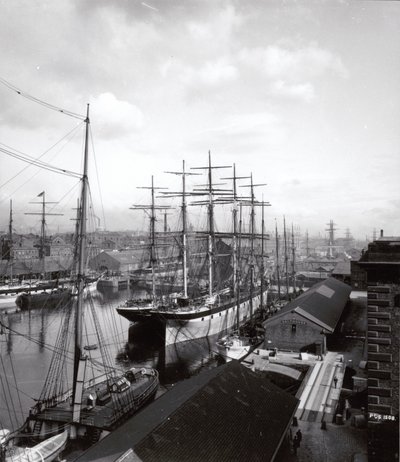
{"type": "Point", "coordinates": [302, 324]}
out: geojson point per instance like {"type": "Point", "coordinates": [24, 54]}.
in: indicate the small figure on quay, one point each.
{"type": "Point", "coordinates": [296, 444]}
{"type": "Point", "coordinates": [335, 381]}
{"type": "Point", "coordinates": [299, 435]}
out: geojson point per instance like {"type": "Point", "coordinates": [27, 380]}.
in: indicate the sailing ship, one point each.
{"type": "Point", "coordinates": [179, 317]}
{"type": "Point", "coordinates": [96, 401]}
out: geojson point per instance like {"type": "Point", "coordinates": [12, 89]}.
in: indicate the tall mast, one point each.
{"type": "Point", "coordinates": [210, 191]}
{"type": "Point", "coordinates": [10, 244]}
{"type": "Point", "coordinates": [183, 173]}
{"type": "Point", "coordinates": [184, 232]}
{"type": "Point", "coordinates": [252, 203]}
{"type": "Point", "coordinates": [235, 237]}
{"type": "Point", "coordinates": [211, 236]}
{"type": "Point", "coordinates": [252, 220]}
{"type": "Point", "coordinates": [43, 214]}
{"type": "Point", "coordinates": [238, 269]}
{"type": "Point", "coordinates": [278, 276]}
{"type": "Point", "coordinates": [293, 263]}
{"type": "Point", "coordinates": [286, 258]}
{"type": "Point", "coordinates": [262, 256]}
{"type": "Point", "coordinates": [79, 357]}
{"type": "Point", "coordinates": [235, 242]}
{"type": "Point", "coordinates": [153, 243]}
{"type": "Point", "coordinates": [153, 256]}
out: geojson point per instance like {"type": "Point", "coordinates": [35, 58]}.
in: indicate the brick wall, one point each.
{"type": "Point", "coordinates": [291, 332]}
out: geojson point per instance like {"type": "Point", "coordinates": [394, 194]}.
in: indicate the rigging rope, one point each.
{"type": "Point", "coordinates": [44, 153]}
{"type": "Point", "coordinates": [38, 163]}
{"type": "Point", "coordinates": [39, 101]}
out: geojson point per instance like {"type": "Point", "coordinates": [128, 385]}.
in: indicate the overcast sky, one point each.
{"type": "Point", "coordinates": [305, 95]}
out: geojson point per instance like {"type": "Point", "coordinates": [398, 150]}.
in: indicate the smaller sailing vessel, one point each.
{"type": "Point", "coordinates": [53, 296]}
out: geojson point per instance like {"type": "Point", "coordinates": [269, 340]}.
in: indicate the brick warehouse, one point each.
{"type": "Point", "coordinates": [302, 324]}
{"type": "Point", "coordinates": [382, 265]}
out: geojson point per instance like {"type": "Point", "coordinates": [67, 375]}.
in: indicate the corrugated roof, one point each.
{"type": "Point", "coordinates": [322, 304]}
{"type": "Point", "coordinates": [227, 413]}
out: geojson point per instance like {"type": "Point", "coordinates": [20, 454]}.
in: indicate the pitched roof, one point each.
{"type": "Point", "coordinates": [124, 257]}
{"type": "Point", "coordinates": [322, 304]}
{"type": "Point", "coordinates": [227, 413]}
{"type": "Point", "coordinates": [237, 415]}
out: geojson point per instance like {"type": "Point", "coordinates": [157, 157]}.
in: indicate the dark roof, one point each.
{"type": "Point", "coordinates": [322, 304]}
{"type": "Point", "coordinates": [229, 413]}
{"type": "Point", "coordinates": [343, 267]}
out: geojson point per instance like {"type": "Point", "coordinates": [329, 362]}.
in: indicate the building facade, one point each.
{"type": "Point", "coordinates": [382, 266]}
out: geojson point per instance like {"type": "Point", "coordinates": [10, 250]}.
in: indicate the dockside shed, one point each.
{"type": "Point", "coordinates": [302, 324]}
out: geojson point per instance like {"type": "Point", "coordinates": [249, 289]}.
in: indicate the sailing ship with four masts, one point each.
{"type": "Point", "coordinates": [179, 317]}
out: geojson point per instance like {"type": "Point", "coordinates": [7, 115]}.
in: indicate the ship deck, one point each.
{"type": "Point", "coordinates": [104, 416]}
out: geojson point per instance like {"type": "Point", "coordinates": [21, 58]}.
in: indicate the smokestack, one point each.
{"type": "Point", "coordinates": [381, 232]}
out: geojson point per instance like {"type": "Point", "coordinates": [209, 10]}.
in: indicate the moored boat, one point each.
{"type": "Point", "coordinates": [45, 451]}
{"type": "Point", "coordinates": [48, 298]}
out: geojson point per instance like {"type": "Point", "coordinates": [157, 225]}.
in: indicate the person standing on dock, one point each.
{"type": "Point", "coordinates": [335, 381]}
{"type": "Point", "coordinates": [296, 444]}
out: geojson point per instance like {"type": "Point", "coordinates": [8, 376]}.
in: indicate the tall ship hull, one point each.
{"type": "Point", "coordinates": [179, 324]}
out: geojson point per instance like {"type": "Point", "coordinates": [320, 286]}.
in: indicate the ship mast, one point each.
{"type": "Point", "coordinates": [235, 237]}
{"type": "Point", "coordinates": [184, 194]}
{"type": "Point", "coordinates": [153, 208]}
{"type": "Point", "coordinates": [278, 277]}
{"type": "Point", "coordinates": [253, 203]}
{"type": "Point", "coordinates": [210, 191]}
{"type": "Point", "coordinates": [10, 244]}
{"type": "Point", "coordinates": [43, 214]}
{"type": "Point", "coordinates": [262, 258]}
{"type": "Point", "coordinates": [79, 357]}
{"type": "Point", "coordinates": [238, 269]}
{"type": "Point", "coordinates": [293, 263]}
{"type": "Point", "coordinates": [286, 259]}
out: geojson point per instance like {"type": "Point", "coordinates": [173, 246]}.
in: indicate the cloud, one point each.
{"type": "Point", "coordinates": [212, 73]}
{"type": "Point", "coordinates": [302, 91]}
{"type": "Point", "coordinates": [289, 63]}
{"type": "Point", "coordinates": [217, 27]}
{"type": "Point", "coordinates": [114, 117]}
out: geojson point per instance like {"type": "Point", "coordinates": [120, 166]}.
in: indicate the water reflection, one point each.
{"type": "Point", "coordinates": [24, 366]}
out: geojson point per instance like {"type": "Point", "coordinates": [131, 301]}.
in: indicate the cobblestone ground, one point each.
{"type": "Point", "coordinates": [336, 443]}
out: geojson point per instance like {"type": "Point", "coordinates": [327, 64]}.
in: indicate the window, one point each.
{"type": "Point", "coordinates": [294, 328]}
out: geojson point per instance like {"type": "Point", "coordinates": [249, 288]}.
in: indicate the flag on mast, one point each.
{"type": "Point", "coordinates": [41, 194]}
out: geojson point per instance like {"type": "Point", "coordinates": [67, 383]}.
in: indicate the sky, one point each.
{"type": "Point", "coordinates": [303, 95]}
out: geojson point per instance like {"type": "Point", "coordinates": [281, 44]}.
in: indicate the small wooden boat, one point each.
{"type": "Point", "coordinates": [45, 451]}
{"type": "Point", "coordinates": [90, 347]}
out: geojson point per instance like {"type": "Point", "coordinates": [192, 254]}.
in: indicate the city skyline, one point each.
{"type": "Point", "coordinates": [303, 95]}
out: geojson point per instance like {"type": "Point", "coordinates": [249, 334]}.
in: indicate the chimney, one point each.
{"type": "Point", "coordinates": [381, 232]}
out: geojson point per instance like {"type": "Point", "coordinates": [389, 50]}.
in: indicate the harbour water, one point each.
{"type": "Point", "coordinates": [27, 344]}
